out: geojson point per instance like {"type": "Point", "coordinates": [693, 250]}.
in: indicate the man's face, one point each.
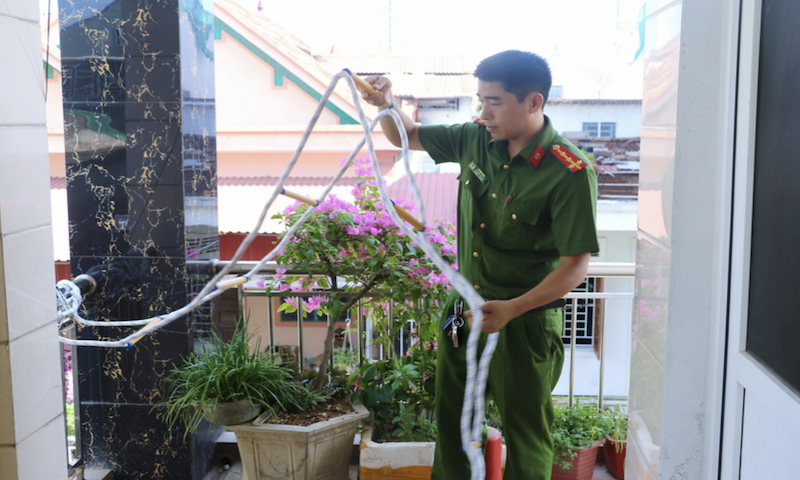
{"type": "Point", "coordinates": [504, 116]}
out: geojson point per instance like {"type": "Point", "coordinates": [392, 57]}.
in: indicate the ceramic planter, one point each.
{"type": "Point", "coordinates": [286, 452]}
{"type": "Point", "coordinates": [615, 457]}
{"type": "Point", "coordinates": [582, 466]}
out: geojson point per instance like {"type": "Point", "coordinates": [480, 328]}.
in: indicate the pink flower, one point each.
{"type": "Point", "coordinates": [314, 303]}
{"type": "Point", "coordinates": [279, 274]}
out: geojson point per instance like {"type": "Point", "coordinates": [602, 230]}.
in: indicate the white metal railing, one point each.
{"type": "Point", "coordinates": [596, 270]}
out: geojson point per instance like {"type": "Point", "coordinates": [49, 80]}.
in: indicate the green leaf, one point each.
{"type": "Point", "coordinates": [287, 308]}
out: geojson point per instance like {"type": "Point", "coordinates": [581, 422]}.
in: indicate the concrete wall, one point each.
{"type": "Point", "coordinates": [32, 428]}
{"type": "Point", "coordinates": [569, 117]}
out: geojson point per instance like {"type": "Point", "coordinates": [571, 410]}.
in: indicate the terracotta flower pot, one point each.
{"type": "Point", "coordinates": [615, 457]}
{"type": "Point", "coordinates": [582, 466]}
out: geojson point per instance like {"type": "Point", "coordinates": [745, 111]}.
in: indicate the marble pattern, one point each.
{"type": "Point", "coordinates": [138, 87]}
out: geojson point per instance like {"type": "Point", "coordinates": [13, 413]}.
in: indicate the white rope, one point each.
{"type": "Point", "coordinates": [472, 414]}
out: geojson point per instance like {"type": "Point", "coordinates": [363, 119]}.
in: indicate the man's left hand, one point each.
{"type": "Point", "coordinates": [496, 314]}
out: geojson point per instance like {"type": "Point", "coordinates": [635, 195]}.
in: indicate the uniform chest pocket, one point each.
{"type": "Point", "coordinates": [472, 189]}
{"type": "Point", "coordinates": [516, 225]}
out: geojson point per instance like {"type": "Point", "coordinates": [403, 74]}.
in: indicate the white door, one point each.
{"type": "Point", "coordinates": [761, 436]}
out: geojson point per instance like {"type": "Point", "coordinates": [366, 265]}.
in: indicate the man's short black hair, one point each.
{"type": "Point", "coordinates": [520, 73]}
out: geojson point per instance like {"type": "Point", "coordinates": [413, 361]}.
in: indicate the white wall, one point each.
{"type": "Point", "coordinates": [701, 234]}
{"type": "Point", "coordinates": [569, 117]}
{"type": "Point", "coordinates": [32, 428]}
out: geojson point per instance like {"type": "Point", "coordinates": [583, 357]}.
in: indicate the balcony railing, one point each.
{"type": "Point", "coordinates": [597, 319]}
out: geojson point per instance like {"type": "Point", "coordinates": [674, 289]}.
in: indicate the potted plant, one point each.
{"type": "Point", "coordinates": [398, 440]}
{"type": "Point", "coordinates": [355, 252]}
{"type": "Point", "coordinates": [229, 383]}
{"type": "Point", "coordinates": [232, 372]}
{"type": "Point", "coordinates": [616, 445]}
{"type": "Point", "coordinates": [578, 432]}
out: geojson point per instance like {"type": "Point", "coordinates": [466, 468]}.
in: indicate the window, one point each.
{"type": "Point", "coordinates": [438, 104]}
{"type": "Point", "coordinates": [556, 91]}
{"type": "Point", "coordinates": [583, 318]}
{"type": "Point", "coordinates": [600, 129]}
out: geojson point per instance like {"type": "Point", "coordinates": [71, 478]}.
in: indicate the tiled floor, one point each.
{"type": "Point", "coordinates": [600, 473]}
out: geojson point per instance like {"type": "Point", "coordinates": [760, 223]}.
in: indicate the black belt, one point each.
{"type": "Point", "coordinates": [554, 304]}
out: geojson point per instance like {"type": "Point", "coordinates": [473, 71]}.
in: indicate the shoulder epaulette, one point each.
{"type": "Point", "coordinates": [569, 159]}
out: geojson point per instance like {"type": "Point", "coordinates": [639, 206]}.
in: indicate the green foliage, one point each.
{"type": "Point", "coordinates": [411, 424]}
{"type": "Point", "coordinates": [618, 426]}
{"type": "Point", "coordinates": [345, 359]}
{"type": "Point", "coordinates": [354, 251]}
{"type": "Point", "coordinates": [228, 372]}
{"type": "Point", "coordinates": [493, 414]}
{"type": "Point", "coordinates": [574, 428]}
{"type": "Point", "coordinates": [69, 411]}
{"type": "Point", "coordinates": [396, 389]}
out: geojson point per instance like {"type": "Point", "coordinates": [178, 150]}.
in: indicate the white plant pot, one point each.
{"type": "Point", "coordinates": [286, 452]}
{"type": "Point", "coordinates": [398, 460]}
{"type": "Point", "coordinates": [394, 460]}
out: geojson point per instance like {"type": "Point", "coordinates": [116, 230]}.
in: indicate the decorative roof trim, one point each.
{"type": "Point", "coordinates": [281, 72]}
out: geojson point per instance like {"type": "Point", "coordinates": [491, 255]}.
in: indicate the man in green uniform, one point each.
{"type": "Point", "coordinates": [526, 230]}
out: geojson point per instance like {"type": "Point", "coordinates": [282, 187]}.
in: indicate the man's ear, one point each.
{"type": "Point", "coordinates": [536, 101]}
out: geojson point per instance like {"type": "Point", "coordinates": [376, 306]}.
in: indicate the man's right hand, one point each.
{"type": "Point", "coordinates": [383, 89]}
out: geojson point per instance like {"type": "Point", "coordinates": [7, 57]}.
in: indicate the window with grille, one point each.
{"type": "Point", "coordinates": [438, 104]}
{"type": "Point", "coordinates": [556, 91]}
{"type": "Point", "coordinates": [583, 318]}
{"type": "Point", "coordinates": [600, 129]}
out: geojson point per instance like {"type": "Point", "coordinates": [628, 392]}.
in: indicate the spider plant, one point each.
{"type": "Point", "coordinates": [228, 372]}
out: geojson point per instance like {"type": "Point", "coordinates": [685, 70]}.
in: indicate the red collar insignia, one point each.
{"type": "Point", "coordinates": [537, 156]}
{"type": "Point", "coordinates": [480, 121]}
{"type": "Point", "coordinates": [569, 159]}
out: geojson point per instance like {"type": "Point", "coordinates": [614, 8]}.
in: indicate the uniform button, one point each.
{"type": "Point", "coordinates": [467, 182]}
{"type": "Point", "coordinates": [483, 225]}
{"type": "Point", "coordinates": [476, 254]}
{"type": "Point", "coordinates": [477, 287]}
{"type": "Point", "coordinates": [514, 216]}
{"type": "Point", "coordinates": [494, 195]}
{"type": "Point", "coordinates": [506, 166]}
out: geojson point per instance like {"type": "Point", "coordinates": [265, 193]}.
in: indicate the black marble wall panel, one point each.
{"type": "Point", "coordinates": [141, 171]}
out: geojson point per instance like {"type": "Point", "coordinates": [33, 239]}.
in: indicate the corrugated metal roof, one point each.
{"type": "Point", "coordinates": [421, 86]}
{"type": "Point", "coordinates": [595, 101]}
{"type": "Point", "coordinates": [439, 192]}
{"type": "Point", "coordinates": [272, 181]}
{"type": "Point", "coordinates": [412, 75]}
{"type": "Point", "coordinates": [394, 64]}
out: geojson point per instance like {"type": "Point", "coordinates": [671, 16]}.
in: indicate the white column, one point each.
{"type": "Point", "coordinates": [32, 431]}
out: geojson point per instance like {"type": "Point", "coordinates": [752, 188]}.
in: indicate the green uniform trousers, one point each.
{"type": "Point", "coordinates": [523, 372]}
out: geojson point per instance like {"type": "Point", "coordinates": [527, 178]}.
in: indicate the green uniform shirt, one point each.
{"type": "Point", "coordinates": [515, 220]}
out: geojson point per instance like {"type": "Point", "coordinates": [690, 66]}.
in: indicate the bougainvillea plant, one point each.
{"type": "Point", "coordinates": [354, 251]}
